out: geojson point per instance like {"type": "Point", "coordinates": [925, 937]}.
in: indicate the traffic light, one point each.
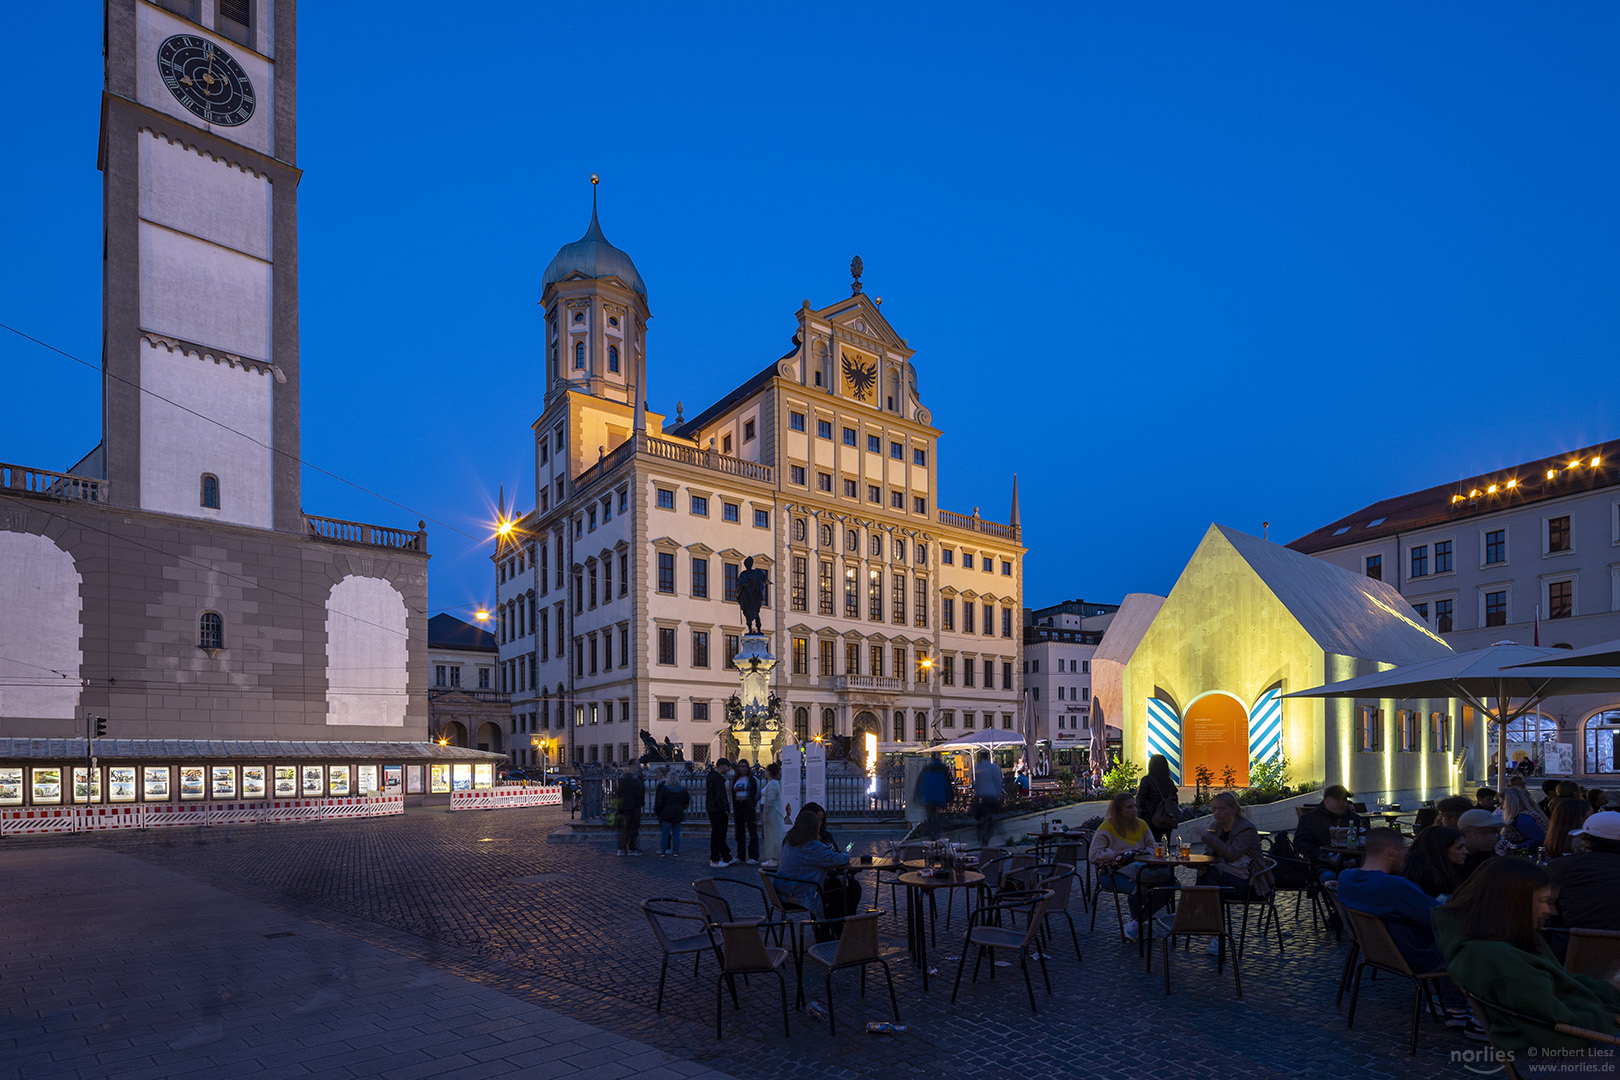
{"type": "Point", "coordinates": [101, 727]}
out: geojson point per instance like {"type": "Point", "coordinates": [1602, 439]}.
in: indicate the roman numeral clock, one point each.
{"type": "Point", "coordinates": [206, 79]}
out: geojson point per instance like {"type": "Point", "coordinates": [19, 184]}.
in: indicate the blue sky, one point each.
{"type": "Point", "coordinates": [1170, 263]}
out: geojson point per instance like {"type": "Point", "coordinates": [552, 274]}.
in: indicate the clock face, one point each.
{"type": "Point", "coordinates": [206, 80]}
{"type": "Point", "coordinates": [860, 376]}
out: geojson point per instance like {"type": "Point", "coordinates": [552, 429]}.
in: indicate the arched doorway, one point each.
{"type": "Point", "coordinates": [866, 722]}
{"type": "Point", "coordinates": [489, 737]}
{"type": "Point", "coordinates": [1601, 740]}
{"type": "Point", "coordinates": [453, 733]}
{"type": "Point", "coordinates": [1215, 735]}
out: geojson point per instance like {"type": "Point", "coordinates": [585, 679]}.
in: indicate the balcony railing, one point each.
{"type": "Point", "coordinates": [495, 696]}
{"type": "Point", "coordinates": [354, 532]}
{"type": "Point", "coordinates": [55, 485]}
{"type": "Point", "coordinates": [869, 682]}
{"type": "Point", "coordinates": [976, 523]}
{"type": "Point", "coordinates": [669, 450]}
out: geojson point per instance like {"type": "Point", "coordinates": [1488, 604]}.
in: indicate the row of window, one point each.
{"type": "Point", "coordinates": [1065, 693]}
{"type": "Point", "coordinates": [449, 675]}
{"type": "Point", "coordinates": [1556, 536]}
{"type": "Point", "coordinates": [698, 506]}
{"type": "Point", "coordinates": [987, 563]}
{"type": "Point", "coordinates": [797, 421]}
{"type": "Point", "coordinates": [1560, 605]}
{"type": "Point", "coordinates": [1079, 667]}
{"type": "Point", "coordinates": [894, 726]}
{"type": "Point", "coordinates": [1408, 731]}
{"type": "Point", "coordinates": [612, 357]}
{"type": "Point", "coordinates": [799, 476]}
{"type": "Point", "coordinates": [948, 620]}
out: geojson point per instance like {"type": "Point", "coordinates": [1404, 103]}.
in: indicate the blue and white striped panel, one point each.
{"type": "Point", "coordinates": [1265, 727]}
{"type": "Point", "coordinates": [1164, 734]}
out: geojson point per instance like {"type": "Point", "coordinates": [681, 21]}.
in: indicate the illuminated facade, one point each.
{"type": "Point", "coordinates": [1249, 621]}
{"type": "Point", "coordinates": [1488, 558]}
{"type": "Point", "coordinates": [616, 611]}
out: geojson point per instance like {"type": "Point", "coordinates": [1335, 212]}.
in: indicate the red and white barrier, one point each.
{"type": "Point", "coordinates": [505, 798]}
{"type": "Point", "coordinates": [72, 819]}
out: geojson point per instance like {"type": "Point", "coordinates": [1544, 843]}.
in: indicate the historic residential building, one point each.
{"type": "Point", "coordinates": [1525, 552]}
{"type": "Point", "coordinates": [464, 708]}
{"type": "Point", "coordinates": [171, 582]}
{"type": "Point", "coordinates": [616, 612]}
{"type": "Point", "coordinates": [1057, 676]}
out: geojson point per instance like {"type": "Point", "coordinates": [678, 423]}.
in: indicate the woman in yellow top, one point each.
{"type": "Point", "coordinates": [1121, 834]}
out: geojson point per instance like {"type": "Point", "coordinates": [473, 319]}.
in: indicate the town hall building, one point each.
{"type": "Point", "coordinates": [889, 616]}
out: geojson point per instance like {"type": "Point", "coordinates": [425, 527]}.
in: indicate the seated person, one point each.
{"type": "Point", "coordinates": [1311, 835]}
{"type": "Point", "coordinates": [1490, 934]}
{"type": "Point", "coordinates": [1378, 888]}
{"type": "Point", "coordinates": [1563, 830]}
{"type": "Point", "coordinates": [1549, 791]}
{"type": "Point", "coordinates": [1451, 808]}
{"type": "Point", "coordinates": [1236, 843]}
{"type": "Point", "coordinates": [805, 862]}
{"type": "Point", "coordinates": [1597, 799]}
{"type": "Point", "coordinates": [1487, 799]}
{"type": "Point", "coordinates": [1589, 882]}
{"type": "Point", "coordinates": [1435, 861]}
{"type": "Point", "coordinates": [1482, 833]}
{"type": "Point", "coordinates": [1121, 835]}
{"type": "Point", "coordinates": [1524, 825]}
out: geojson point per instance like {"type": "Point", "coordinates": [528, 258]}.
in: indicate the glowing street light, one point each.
{"type": "Point", "coordinates": [481, 615]}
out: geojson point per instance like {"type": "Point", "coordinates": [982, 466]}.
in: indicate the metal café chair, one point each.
{"type": "Point", "coordinates": [1059, 881]}
{"type": "Point", "coordinates": [985, 934]}
{"type": "Point", "coordinates": [1200, 913]}
{"type": "Point", "coordinates": [1073, 853]}
{"type": "Point", "coordinates": [711, 894]}
{"type": "Point", "coordinates": [856, 947]}
{"type": "Point", "coordinates": [661, 910]}
{"type": "Point", "coordinates": [1379, 952]}
{"type": "Point", "coordinates": [1267, 905]}
{"type": "Point", "coordinates": [744, 952]}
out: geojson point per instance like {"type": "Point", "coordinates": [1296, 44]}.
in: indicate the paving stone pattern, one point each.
{"type": "Point", "coordinates": [558, 927]}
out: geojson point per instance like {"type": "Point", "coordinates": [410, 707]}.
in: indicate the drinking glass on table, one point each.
{"type": "Point", "coordinates": [1186, 848]}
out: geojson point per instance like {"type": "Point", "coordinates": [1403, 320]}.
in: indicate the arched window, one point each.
{"type": "Point", "coordinates": [579, 356]}
{"type": "Point", "coordinates": [798, 529]}
{"type": "Point", "coordinates": [829, 722]}
{"type": "Point", "coordinates": [210, 631]}
{"type": "Point", "coordinates": [613, 358]}
{"type": "Point", "coordinates": [1602, 740]}
{"type": "Point", "coordinates": [210, 491]}
{"type": "Point", "coordinates": [877, 546]}
{"type": "Point", "coordinates": [899, 726]}
{"type": "Point", "coordinates": [852, 541]}
{"type": "Point", "coordinates": [826, 536]}
{"type": "Point", "coordinates": [801, 725]}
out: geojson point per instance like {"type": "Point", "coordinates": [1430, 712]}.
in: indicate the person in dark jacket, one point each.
{"type": "Point", "coordinates": [1589, 881]}
{"type": "Point", "coordinates": [1435, 862]}
{"type": "Point", "coordinates": [744, 807]}
{"type": "Point", "coordinates": [1549, 791]}
{"type": "Point", "coordinates": [717, 803]}
{"type": "Point", "coordinates": [1312, 835]}
{"type": "Point", "coordinates": [669, 806]}
{"type": "Point", "coordinates": [1155, 791]}
{"type": "Point", "coordinates": [632, 792]}
{"type": "Point", "coordinates": [934, 789]}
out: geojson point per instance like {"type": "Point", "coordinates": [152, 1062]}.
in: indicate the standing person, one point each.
{"type": "Point", "coordinates": [744, 807]}
{"type": "Point", "coordinates": [989, 789]}
{"type": "Point", "coordinates": [772, 819]}
{"type": "Point", "coordinates": [934, 788]}
{"type": "Point", "coordinates": [632, 792]}
{"type": "Point", "coordinates": [1096, 776]}
{"type": "Point", "coordinates": [669, 806]}
{"type": "Point", "coordinates": [717, 802]}
{"type": "Point", "coordinates": [1156, 798]}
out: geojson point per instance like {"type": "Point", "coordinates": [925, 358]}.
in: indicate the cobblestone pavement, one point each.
{"type": "Point", "coordinates": [482, 895]}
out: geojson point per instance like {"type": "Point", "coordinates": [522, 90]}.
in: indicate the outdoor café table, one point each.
{"type": "Point", "coordinates": [1144, 937]}
{"type": "Point", "coordinates": [917, 884]}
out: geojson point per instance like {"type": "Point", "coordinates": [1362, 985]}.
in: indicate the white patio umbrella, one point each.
{"type": "Point", "coordinates": [1478, 675]}
{"type": "Point", "coordinates": [988, 739]}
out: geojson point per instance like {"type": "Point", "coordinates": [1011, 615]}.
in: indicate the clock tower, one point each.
{"type": "Point", "coordinates": [200, 264]}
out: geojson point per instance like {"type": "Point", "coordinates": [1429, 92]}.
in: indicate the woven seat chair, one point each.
{"type": "Point", "coordinates": [743, 951]}
{"type": "Point", "coordinates": [1200, 913]}
{"type": "Point", "coordinates": [681, 928]}
{"type": "Point", "coordinates": [1331, 890]}
{"type": "Point", "coordinates": [985, 934]}
{"type": "Point", "coordinates": [1483, 1010]}
{"type": "Point", "coordinates": [1593, 952]}
{"type": "Point", "coordinates": [857, 947]}
{"type": "Point", "coordinates": [1379, 952]}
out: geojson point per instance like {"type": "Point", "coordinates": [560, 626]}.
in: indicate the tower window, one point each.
{"type": "Point", "coordinates": [613, 358]}
{"type": "Point", "coordinates": [211, 631]}
{"type": "Point", "coordinates": [236, 20]}
{"type": "Point", "coordinates": [579, 356]}
{"type": "Point", "coordinates": [613, 320]}
{"type": "Point", "coordinates": [579, 316]}
{"type": "Point", "coordinates": [210, 491]}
